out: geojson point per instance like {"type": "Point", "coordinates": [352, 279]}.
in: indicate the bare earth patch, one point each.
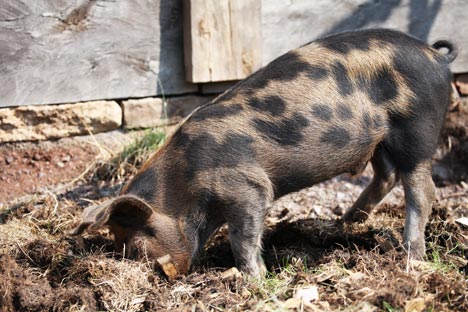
{"type": "Point", "coordinates": [315, 264]}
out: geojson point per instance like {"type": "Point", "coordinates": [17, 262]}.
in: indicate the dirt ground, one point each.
{"type": "Point", "coordinates": [44, 188]}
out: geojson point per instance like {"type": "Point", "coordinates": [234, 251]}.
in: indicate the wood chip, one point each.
{"type": "Point", "coordinates": [458, 261]}
{"type": "Point", "coordinates": [307, 294]}
{"type": "Point", "coordinates": [168, 266]}
{"type": "Point", "coordinates": [384, 244]}
{"type": "Point", "coordinates": [325, 276]}
{"type": "Point", "coordinates": [415, 305]}
{"type": "Point", "coordinates": [292, 303]}
{"type": "Point", "coordinates": [232, 272]}
{"type": "Point", "coordinates": [462, 220]}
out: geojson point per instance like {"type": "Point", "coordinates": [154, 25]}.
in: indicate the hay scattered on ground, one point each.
{"type": "Point", "coordinates": [357, 268]}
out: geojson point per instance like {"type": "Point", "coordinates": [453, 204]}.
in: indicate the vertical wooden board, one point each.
{"type": "Point", "coordinates": [222, 39]}
{"type": "Point", "coordinates": [247, 36]}
{"type": "Point", "coordinates": [55, 51]}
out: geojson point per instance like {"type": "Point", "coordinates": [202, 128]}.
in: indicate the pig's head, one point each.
{"type": "Point", "coordinates": [140, 231]}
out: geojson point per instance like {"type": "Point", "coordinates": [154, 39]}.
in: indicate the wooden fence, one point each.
{"type": "Point", "coordinates": [55, 51]}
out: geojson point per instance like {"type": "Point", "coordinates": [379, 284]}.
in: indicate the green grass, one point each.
{"type": "Point", "coordinates": [388, 307]}
{"type": "Point", "coordinates": [439, 264]}
{"type": "Point", "coordinates": [149, 142]}
{"type": "Point", "coordinates": [132, 157]}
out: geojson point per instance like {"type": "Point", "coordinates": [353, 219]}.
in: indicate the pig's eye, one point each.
{"type": "Point", "coordinates": [149, 231]}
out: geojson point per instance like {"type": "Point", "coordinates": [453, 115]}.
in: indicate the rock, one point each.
{"type": "Point", "coordinates": [461, 81]}
{"type": "Point", "coordinates": [41, 122]}
{"type": "Point", "coordinates": [8, 160]}
{"type": "Point", "coordinates": [338, 210]}
{"type": "Point", "coordinates": [37, 156]}
{"type": "Point", "coordinates": [151, 112]}
{"type": "Point", "coordinates": [143, 113]}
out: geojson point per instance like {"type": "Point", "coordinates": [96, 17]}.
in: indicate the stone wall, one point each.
{"type": "Point", "coordinates": [42, 122]}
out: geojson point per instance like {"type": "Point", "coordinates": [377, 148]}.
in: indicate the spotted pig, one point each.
{"type": "Point", "coordinates": [326, 108]}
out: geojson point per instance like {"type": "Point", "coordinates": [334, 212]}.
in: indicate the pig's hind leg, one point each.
{"type": "Point", "coordinates": [385, 178]}
{"type": "Point", "coordinates": [419, 195]}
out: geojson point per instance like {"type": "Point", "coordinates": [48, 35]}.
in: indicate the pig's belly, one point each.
{"type": "Point", "coordinates": [294, 172]}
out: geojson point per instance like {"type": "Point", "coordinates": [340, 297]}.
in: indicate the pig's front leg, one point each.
{"type": "Point", "coordinates": [245, 227]}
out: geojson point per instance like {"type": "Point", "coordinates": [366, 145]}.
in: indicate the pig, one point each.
{"type": "Point", "coordinates": [326, 108]}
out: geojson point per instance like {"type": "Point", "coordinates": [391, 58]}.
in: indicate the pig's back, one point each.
{"type": "Point", "coordinates": [316, 111]}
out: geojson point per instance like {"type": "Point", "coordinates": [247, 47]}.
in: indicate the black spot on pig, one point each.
{"type": "Point", "coordinates": [287, 131]}
{"type": "Point", "coordinates": [345, 44]}
{"type": "Point", "coordinates": [144, 184]}
{"type": "Point", "coordinates": [340, 73]}
{"type": "Point", "coordinates": [336, 136]}
{"type": "Point", "coordinates": [203, 152]}
{"type": "Point", "coordinates": [365, 136]}
{"type": "Point", "coordinates": [377, 122]}
{"type": "Point", "coordinates": [316, 72]}
{"type": "Point", "coordinates": [216, 111]}
{"type": "Point", "coordinates": [323, 112]}
{"type": "Point", "coordinates": [344, 112]}
{"type": "Point", "coordinates": [366, 121]}
{"type": "Point", "coordinates": [271, 104]}
{"type": "Point", "coordinates": [380, 88]}
{"type": "Point", "coordinates": [285, 68]}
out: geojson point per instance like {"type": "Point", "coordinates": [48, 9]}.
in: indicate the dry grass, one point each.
{"type": "Point", "coordinates": [360, 268]}
{"type": "Point", "coordinates": [39, 260]}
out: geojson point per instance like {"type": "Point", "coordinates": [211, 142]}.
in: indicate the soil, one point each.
{"type": "Point", "coordinates": [34, 167]}
{"type": "Point", "coordinates": [355, 268]}
{"type": "Point", "coordinates": [25, 171]}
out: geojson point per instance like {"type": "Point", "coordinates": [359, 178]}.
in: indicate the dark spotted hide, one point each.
{"type": "Point", "coordinates": [326, 108]}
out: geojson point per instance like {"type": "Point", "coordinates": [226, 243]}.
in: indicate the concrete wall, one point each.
{"type": "Point", "coordinates": [290, 23]}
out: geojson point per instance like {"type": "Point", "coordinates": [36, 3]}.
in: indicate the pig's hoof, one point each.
{"type": "Point", "coordinates": [416, 250]}
{"type": "Point", "coordinates": [255, 270]}
{"type": "Point", "coordinates": [353, 215]}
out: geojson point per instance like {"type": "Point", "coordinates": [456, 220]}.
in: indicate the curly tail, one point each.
{"type": "Point", "coordinates": [451, 47]}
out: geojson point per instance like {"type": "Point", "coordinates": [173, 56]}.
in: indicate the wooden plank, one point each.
{"type": "Point", "coordinates": [55, 51]}
{"type": "Point", "coordinates": [289, 24]}
{"type": "Point", "coordinates": [222, 39]}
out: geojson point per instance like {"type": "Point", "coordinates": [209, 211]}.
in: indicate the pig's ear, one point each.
{"type": "Point", "coordinates": [90, 215]}
{"type": "Point", "coordinates": [124, 210]}
{"type": "Point", "coordinates": [127, 211]}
